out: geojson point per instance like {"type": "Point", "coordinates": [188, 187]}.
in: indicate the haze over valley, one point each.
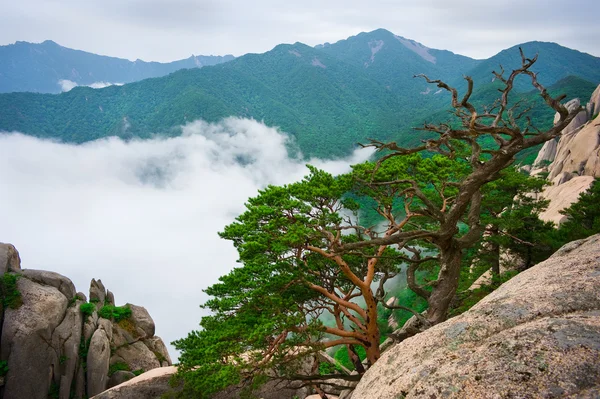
{"type": "Point", "coordinates": [127, 170]}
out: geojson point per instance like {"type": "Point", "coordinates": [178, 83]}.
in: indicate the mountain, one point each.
{"type": "Point", "coordinates": [41, 67]}
{"type": "Point", "coordinates": [329, 97]}
{"type": "Point", "coordinates": [393, 60]}
{"type": "Point", "coordinates": [554, 63]}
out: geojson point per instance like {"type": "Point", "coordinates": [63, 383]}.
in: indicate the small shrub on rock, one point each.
{"type": "Point", "coordinates": [11, 297]}
{"type": "Point", "coordinates": [87, 309]}
{"type": "Point", "coordinates": [118, 366]}
{"type": "Point", "coordinates": [116, 313]}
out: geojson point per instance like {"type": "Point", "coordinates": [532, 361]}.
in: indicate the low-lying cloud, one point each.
{"type": "Point", "coordinates": [143, 216]}
{"type": "Point", "coordinates": [67, 85]}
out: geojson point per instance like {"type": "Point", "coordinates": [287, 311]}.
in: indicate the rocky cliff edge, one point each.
{"type": "Point", "coordinates": [54, 343]}
{"type": "Point", "coordinates": [537, 336]}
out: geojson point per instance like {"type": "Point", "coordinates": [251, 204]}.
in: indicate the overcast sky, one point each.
{"type": "Point", "coordinates": [165, 30]}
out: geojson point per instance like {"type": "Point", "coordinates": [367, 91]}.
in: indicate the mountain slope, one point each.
{"type": "Point", "coordinates": [554, 63]}
{"type": "Point", "coordinates": [393, 61]}
{"type": "Point", "coordinates": [329, 97]}
{"type": "Point", "coordinates": [40, 67]}
{"type": "Point", "coordinates": [325, 103]}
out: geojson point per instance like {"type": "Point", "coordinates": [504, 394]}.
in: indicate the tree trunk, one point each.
{"type": "Point", "coordinates": [447, 284]}
{"type": "Point", "coordinates": [355, 359]}
{"type": "Point", "coordinates": [372, 335]}
{"type": "Point", "coordinates": [495, 252]}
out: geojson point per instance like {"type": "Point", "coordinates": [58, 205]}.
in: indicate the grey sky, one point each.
{"type": "Point", "coordinates": [165, 30]}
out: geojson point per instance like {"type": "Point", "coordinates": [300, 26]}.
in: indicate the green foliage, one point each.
{"type": "Point", "coordinates": [62, 359]}
{"type": "Point", "coordinates": [84, 347]}
{"type": "Point", "coordinates": [3, 368]}
{"type": "Point", "coordinates": [326, 368]}
{"type": "Point", "coordinates": [118, 366]}
{"type": "Point", "coordinates": [408, 298]}
{"type": "Point", "coordinates": [510, 210]}
{"type": "Point", "coordinates": [54, 390]}
{"type": "Point", "coordinates": [11, 297]}
{"type": "Point", "coordinates": [277, 296]}
{"type": "Point", "coordinates": [116, 313]}
{"type": "Point", "coordinates": [467, 299]}
{"type": "Point", "coordinates": [305, 255]}
{"type": "Point", "coordinates": [72, 301]}
{"type": "Point", "coordinates": [160, 357]}
{"type": "Point", "coordinates": [128, 326]}
{"type": "Point", "coordinates": [138, 372]}
{"type": "Point", "coordinates": [87, 309]}
{"type": "Point", "coordinates": [326, 110]}
{"type": "Point", "coordinates": [583, 216]}
{"type": "Point", "coordinates": [341, 357]}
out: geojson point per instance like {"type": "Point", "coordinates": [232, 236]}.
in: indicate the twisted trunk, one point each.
{"type": "Point", "coordinates": [447, 283]}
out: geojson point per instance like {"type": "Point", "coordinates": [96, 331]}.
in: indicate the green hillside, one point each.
{"type": "Point", "coordinates": [38, 67]}
{"type": "Point", "coordinates": [329, 98]}
{"type": "Point", "coordinates": [554, 63]}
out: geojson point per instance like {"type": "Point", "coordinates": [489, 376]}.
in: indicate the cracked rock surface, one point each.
{"type": "Point", "coordinates": [537, 336]}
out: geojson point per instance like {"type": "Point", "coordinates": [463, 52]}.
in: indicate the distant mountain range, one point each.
{"type": "Point", "coordinates": [329, 97]}
{"type": "Point", "coordinates": [48, 67]}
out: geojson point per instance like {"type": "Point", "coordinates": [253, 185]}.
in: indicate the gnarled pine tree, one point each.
{"type": "Point", "coordinates": [305, 257]}
{"type": "Point", "coordinates": [494, 136]}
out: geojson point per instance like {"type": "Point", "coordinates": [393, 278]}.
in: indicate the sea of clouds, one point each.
{"type": "Point", "coordinates": [143, 215]}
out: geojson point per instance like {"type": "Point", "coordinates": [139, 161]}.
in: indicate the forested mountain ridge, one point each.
{"type": "Point", "coordinates": [329, 97]}
{"type": "Point", "coordinates": [555, 62]}
{"type": "Point", "coordinates": [40, 67]}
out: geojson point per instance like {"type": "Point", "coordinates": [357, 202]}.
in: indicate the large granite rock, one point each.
{"type": "Point", "coordinates": [537, 336]}
{"type": "Point", "coordinates": [26, 342]}
{"type": "Point", "coordinates": [150, 385]}
{"type": "Point", "coordinates": [53, 350]}
{"type": "Point", "coordinates": [561, 196]}
{"type": "Point", "coordinates": [10, 261]}
{"type": "Point", "coordinates": [575, 159]}
{"type": "Point", "coordinates": [97, 362]}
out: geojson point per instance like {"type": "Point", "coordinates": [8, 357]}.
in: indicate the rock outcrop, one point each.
{"type": "Point", "coordinates": [52, 349]}
{"type": "Point", "coordinates": [573, 161]}
{"type": "Point", "coordinates": [150, 385]}
{"type": "Point", "coordinates": [537, 336]}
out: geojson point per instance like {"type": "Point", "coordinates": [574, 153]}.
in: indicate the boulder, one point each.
{"type": "Point", "coordinates": [537, 336]}
{"type": "Point", "coordinates": [141, 318]}
{"type": "Point", "coordinates": [137, 355]}
{"type": "Point", "coordinates": [578, 152]}
{"type": "Point", "coordinates": [27, 338]}
{"type": "Point", "coordinates": [110, 298]}
{"type": "Point", "coordinates": [149, 385]}
{"type": "Point", "coordinates": [97, 363]}
{"type": "Point", "coordinates": [58, 281]}
{"type": "Point", "coordinates": [10, 261]}
{"type": "Point", "coordinates": [125, 333]}
{"type": "Point", "coordinates": [119, 377]}
{"type": "Point", "coordinates": [562, 196]}
{"type": "Point", "coordinates": [89, 326]}
{"type": "Point", "coordinates": [158, 347]}
{"type": "Point", "coordinates": [595, 100]}
{"type": "Point", "coordinates": [107, 326]}
{"type": "Point", "coordinates": [97, 293]}
{"type": "Point", "coordinates": [42, 339]}
{"type": "Point", "coordinates": [66, 339]}
{"type": "Point", "coordinates": [547, 153]}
